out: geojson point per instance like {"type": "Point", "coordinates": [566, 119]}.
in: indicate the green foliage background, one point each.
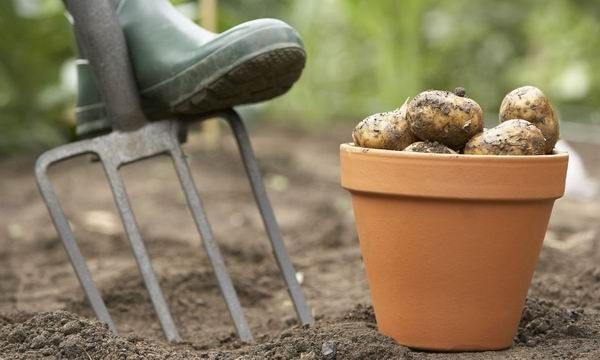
{"type": "Point", "coordinates": [364, 57]}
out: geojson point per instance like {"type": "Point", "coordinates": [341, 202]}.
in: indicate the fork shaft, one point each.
{"type": "Point", "coordinates": [211, 246]}
{"type": "Point", "coordinates": [140, 252]}
{"type": "Point", "coordinates": [99, 32]}
{"type": "Point", "coordinates": [271, 226]}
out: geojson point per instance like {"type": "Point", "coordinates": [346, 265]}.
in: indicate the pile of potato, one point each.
{"type": "Point", "coordinates": [450, 123]}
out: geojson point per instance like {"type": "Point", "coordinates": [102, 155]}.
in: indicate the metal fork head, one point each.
{"type": "Point", "coordinates": [115, 150]}
{"type": "Point", "coordinates": [163, 137]}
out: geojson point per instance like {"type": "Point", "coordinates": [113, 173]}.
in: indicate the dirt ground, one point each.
{"type": "Point", "coordinates": [44, 315]}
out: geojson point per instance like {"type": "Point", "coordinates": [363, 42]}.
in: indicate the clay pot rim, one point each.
{"type": "Point", "coordinates": [556, 155]}
{"type": "Point", "coordinates": [453, 176]}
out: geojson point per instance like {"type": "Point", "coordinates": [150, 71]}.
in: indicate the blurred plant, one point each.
{"type": "Point", "coordinates": [368, 56]}
{"type": "Point", "coordinates": [35, 45]}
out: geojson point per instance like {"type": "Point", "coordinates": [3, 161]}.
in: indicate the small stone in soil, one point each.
{"type": "Point", "coordinates": [328, 350]}
{"type": "Point", "coordinates": [575, 314]}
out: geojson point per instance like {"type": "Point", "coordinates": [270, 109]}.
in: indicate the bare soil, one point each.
{"type": "Point", "coordinates": [44, 315]}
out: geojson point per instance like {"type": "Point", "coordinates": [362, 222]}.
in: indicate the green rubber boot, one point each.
{"type": "Point", "coordinates": [181, 68]}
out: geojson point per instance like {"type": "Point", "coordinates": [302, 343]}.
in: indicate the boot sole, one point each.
{"type": "Point", "coordinates": [253, 80]}
{"type": "Point", "coordinates": [257, 79]}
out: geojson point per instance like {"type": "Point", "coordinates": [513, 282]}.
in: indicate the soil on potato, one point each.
{"type": "Point", "coordinates": [44, 315]}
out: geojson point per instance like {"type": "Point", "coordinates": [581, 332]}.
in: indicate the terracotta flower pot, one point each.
{"type": "Point", "coordinates": [450, 242]}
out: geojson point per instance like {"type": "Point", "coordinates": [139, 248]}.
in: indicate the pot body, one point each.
{"type": "Point", "coordinates": [450, 242]}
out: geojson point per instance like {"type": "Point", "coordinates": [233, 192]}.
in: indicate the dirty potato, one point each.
{"type": "Point", "coordinates": [512, 137]}
{"type": "Point", "coordinates": [448, 118]}
{"type": "Point", "coordinates": [529, 103]}
{"type": "Point", "coordinates": [429, 147]}
{"type": "Point", "coordinates": [388, 130]}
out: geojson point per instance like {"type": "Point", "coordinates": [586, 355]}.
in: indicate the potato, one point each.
{"type": "Point", "coordinates": [445, 117]}
{"type": "Point", "coordinates": [388, 130]}
{"type": "Point", "coordinates": [529, 103]}
{"type": "Point", "coordinates": [512, 137]}
{"type": "Point", "coordinates": [429, 147]}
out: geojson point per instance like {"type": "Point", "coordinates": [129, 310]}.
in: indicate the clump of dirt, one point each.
{"type": "Point", "coordinates": [329, 340]}
{"type": "Point", "coordinates": [353, 336]}
{"type": "Point", "coordinates": [561, 319]}
{"type": "Point", "coordinates": [63, 335]}
{"type": "Point", "coordinates": [542, 320]}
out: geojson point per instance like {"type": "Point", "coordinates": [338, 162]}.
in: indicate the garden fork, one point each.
{"type": "Point", "coordinates": [134, 139]}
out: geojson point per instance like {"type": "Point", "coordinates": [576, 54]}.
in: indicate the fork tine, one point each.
{"type": "Point", "coordinates": [210, 245]}
{"type": "Point", "coordinates": [66, 235]}
{"type": "Point", "coordinates": [260, 195]}
{"type": "Point", "coordinates": [140, 252]}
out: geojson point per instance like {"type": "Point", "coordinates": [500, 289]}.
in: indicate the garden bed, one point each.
{"type": "Point", "coordinates": [43, 313]}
